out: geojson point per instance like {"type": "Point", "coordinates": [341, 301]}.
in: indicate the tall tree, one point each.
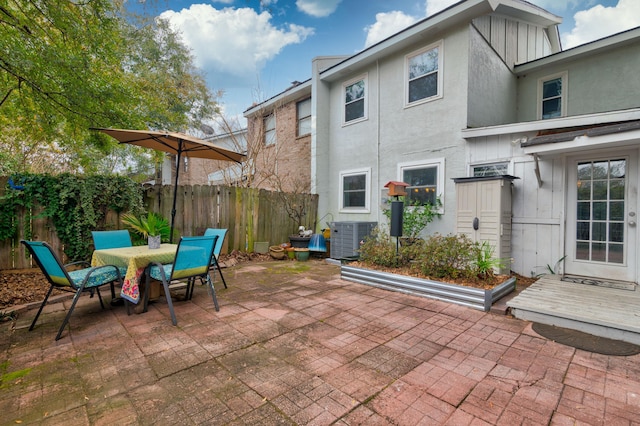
{"type": "Point", "coordinates": [67, 66]}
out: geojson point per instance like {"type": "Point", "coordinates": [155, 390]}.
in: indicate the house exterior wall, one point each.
{"type": "Point", "coordinates": [594, 82]}
{"type": "Point", "coordinates": [537, 212]}
{"type": "Point", "coordinates": [492, 85]}
{"type": "Point", "coordinates": [285, 165]}
{"type": "Point", "coordinates": [394, 134]}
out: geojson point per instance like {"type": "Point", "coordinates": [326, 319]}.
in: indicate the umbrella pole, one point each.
{"type": "Point", "coordinates": [175, 191]}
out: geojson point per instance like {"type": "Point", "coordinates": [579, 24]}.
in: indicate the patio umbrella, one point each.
{"type": "Point", "coordinates": [174, 143]}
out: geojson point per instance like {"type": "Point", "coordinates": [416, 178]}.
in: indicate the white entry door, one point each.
{"type": "Point", "coordinates": [601, 217]}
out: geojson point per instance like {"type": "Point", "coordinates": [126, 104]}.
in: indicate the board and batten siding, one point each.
{"type": "Point", "coordinates": [515, 42]}
{"type": "Point", "coordinates": [537, 212]}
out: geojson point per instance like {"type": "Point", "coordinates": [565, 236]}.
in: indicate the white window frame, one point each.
{"type": "Point", "coordinates": [300, 119]}
{"type": "Point", "coordinates": [367, 201]}
{"type": "Point", "coordinates": [472, 167]}
{"type": "Point", "coordinates": [564, 77]}
{"type": "Point", "coordinates": [270, 137]}
{"type": "Point", "coordinates": [421, 164]}
{"type": "Point", "coordinates": [440, 46]}
{"type": "Point", "coordinates": [364, 78]}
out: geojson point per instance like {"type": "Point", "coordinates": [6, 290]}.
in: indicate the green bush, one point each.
{"type": "Point", "coordinates": [450, 256]}
{"type": "Point", "coordinates": [485, 262]}
{"type": "Point", "coordinates": [380, 249]}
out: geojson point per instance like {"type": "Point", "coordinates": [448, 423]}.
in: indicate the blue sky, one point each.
{"type": "Point", "coordinates": [252, 50]}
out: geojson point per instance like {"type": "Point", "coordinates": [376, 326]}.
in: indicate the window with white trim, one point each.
{"type": "Point", "coordinates": [355, 106]}
{"type": "Point", "coordinates": [354, 191]}
{"type": "Point", "coordinates": [270, 129]}
{"type": "Point", "coordinates": [304, 117]}
{"type": "Point", "coordinates": [423, 74]}
{"type": "Point", "coordinates": [552, 96]}
{"type": "Point", "coordinates": [425, 179]}
{"type": "Point", "coordinates": [490, 169]}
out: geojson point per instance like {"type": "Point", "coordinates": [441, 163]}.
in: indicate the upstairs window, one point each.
{"type": "Point", "coordinates": [270, 129]}
{"type": "Point", "coordinates": [354, 100]}
{"type": "Point", "coordinates": [424, 79]}
{"type": "Point", "coordinates": [304, 117]}
{"type": "Point", "coordinates": [551, 95]}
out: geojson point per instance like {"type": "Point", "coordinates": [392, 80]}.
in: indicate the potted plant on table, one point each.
{"type": "Point", "coordinates": [152, 228]}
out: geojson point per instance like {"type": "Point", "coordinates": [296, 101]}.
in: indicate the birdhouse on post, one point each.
{"type": "Point", "coordinates": [396, 189]}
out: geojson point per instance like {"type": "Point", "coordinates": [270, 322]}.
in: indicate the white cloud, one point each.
{"type": "Point", "coordinates": [232, 45]}
{"type": "Point", "coordinates": [600, 21]}
{"type": "Point", "coordinates": [435, 6]}
{"type": "Point", "coordinates": [318, 8]}
{"type": "Point", "coordinates": [387, 24]}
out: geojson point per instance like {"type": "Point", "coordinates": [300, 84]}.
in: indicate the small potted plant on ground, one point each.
{"type": "Point", "coordinates": [152, 228]}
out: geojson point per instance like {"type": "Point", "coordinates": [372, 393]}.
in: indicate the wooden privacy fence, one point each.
{"type": "Point", "coordinates": [249, 214]}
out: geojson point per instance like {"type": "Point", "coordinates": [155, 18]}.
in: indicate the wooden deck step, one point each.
{"type": "Point", "coordinates": [601, 311]}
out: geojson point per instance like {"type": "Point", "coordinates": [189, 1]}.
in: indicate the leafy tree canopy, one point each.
{"type": "Point", "coordinates": [69, 65]}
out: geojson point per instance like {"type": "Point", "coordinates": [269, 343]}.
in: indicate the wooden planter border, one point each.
{"type": "Point", "coordinates": [467, 296]}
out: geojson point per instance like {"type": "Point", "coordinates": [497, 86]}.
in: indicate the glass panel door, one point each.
{"type": "Point", "coordinates": [601, 210]}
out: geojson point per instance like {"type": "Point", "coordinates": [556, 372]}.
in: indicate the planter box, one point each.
{"type": "Point", "coordinates": [467, 296]}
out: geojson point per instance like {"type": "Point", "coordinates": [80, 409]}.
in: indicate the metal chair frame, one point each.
{"type": "Point", "coordinates": [58, 275]}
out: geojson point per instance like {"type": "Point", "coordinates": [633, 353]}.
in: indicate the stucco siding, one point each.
{"type": "Point", "coordinates": [596, 83]}
{"type": "Point", "coordinates": [492, 85]}
{"type": "Point", "coordinates": [394, 133]}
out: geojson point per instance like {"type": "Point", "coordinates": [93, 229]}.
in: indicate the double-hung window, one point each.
{"type": "Point", "coordinates": [304, 117]}
{"type": "Point", "coordinates": [552, 96]}
{"type": "Point", "coordinates": [270, 129]}
{"type": "Point", "coordinates": [355, 106]}
{"type": "Point", "coordinates": [425, 179]}
{"type": "Point", "coordinates": [354, 191]}
{"type": "Point", "coordinates": [423, 74]}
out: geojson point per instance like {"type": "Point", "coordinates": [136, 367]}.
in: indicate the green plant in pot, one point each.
{"type": "Point", "coordinates": [152, 228]}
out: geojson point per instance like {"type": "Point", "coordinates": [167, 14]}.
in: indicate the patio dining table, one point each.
{"type": "Point", "coordinates": [135, 259]}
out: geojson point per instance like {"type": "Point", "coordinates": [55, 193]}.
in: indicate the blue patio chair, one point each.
{"type": "Point", "coordinates": [193, 258]}
{"type": "Point", "coordinates": [220, 233]}
{"type": "Point", "coordinates": [112, 239]}
{"type": "Point", "coordinates": [59, 276]}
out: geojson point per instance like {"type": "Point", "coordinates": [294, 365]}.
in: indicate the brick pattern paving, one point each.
{"type": "Point", "coordinates": [304, 347]}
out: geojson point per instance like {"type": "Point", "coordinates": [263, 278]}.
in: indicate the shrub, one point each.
{"type": "Point", "coordinates": [448, 256]}
{"type": "Point", "coordinates": [485, 262]}
{"type": "Point", "coordinates": [380, 249]}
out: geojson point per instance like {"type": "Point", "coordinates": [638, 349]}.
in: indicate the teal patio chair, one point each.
{"type": "Point", "coordinates": [220, 233]}
{"type": "Point", "coordinates": [59, 276]}
{"type": "Point", "coordinates": [193, 258]}
{"type": "Point", "coordinates": [112, 239]}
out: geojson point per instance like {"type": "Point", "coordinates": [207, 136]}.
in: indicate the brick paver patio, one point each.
{"type": "Point", "coordinates": [295, 344]}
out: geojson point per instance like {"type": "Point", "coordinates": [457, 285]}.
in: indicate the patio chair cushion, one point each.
{"type": "Point", "coordinates": [98, 278]}
{"type": "Point", "coordinates": [156, 274]}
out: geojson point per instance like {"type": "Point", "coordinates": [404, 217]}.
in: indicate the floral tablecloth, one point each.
{"type": "Point", "coordinates": [135, 259]}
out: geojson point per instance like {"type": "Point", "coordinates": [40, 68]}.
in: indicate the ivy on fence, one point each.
{"type": "Point", "coordinates": [76, 205]}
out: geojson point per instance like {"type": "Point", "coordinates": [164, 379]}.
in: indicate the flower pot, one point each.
{"type": "Point", "coordinates": [298, 241]}
{"type": "Point", "coordinates": [154, 241]}
{"type": "Point", "coordinates": [302, 254]}
{"type": "Point", "coordinates": [277, 252]}
{"type": "Point", "coordinates": [291, 254]}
